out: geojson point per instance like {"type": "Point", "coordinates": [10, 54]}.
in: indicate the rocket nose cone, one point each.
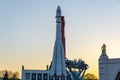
{"type": "Point", "coordinates": [58, 12]}
{"type": "Point", "coordinates": [58, 8]}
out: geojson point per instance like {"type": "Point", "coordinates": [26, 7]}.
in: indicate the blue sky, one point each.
{"type": "Point", "coordinates": [27, 31]}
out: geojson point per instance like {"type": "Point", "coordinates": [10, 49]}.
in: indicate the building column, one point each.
{"type": "Point", "coordinates": [42, 76]}
{"type": "Point", "coordinates": [36, 76]}
{"type": "Point", "coordinates": [59, 77]}
{"type": "Point", "coordinates": [30, 76]}
{"type": "Point", "coordinates": [65, 78]}
{"type": "Point", "coordinates": [23, 75]}
{"type": "Point", "coordinates": [54, 78]}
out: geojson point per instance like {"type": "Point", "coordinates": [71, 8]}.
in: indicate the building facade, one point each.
{"type": "Point", "coordinates": [109, 69]}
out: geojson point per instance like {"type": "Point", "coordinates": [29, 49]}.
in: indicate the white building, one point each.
{"type": "Point", "coordinates": [109, 69]}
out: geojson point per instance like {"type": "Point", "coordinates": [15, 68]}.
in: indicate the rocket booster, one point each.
{"type": "Point", "coordinates": [63, 34]}
{"type": "Point", "coordinates": [60, 19]}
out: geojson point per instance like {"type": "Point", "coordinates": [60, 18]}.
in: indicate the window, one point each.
{"type": "Point", "coordinates": [50, 78]}
{"type": "Point", "coordinates": [45, 76]}
{"type": "Point", "coordinates": [118, 76]}
{"type": "Point", "coordinates": [27, 76]}
{"type": "Point", "coordinates": [56, 78]}
{"type": "Point", "coordinates": [39, 77]}
{"type": "Point", "coordinates": [33, 76]}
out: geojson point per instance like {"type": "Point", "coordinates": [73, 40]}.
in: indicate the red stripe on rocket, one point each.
{"type": "Point", "coordinates": [63, 33]}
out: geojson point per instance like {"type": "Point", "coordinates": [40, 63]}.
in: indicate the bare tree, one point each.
{"type": "Point", "coordinates": [9, 75]}
{"type": "Point", "coordinates": [15, 75]}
